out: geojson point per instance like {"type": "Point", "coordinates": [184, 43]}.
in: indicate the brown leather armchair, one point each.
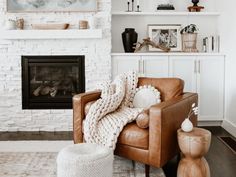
{"type": "Point", "coordinates": [157, 144]}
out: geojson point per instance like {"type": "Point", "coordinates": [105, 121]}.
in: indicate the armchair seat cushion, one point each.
{"type": "Point", "coordinates": [134, 136]}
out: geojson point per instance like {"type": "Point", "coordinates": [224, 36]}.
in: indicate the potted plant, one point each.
{"type": "Point", "coordinates": [189, 38]}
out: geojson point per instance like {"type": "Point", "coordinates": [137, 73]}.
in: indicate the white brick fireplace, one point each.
{"type": "Point", "coordinates": [97, 66]}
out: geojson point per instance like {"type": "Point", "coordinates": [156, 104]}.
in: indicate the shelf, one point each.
{"type": "Point", "coordinates": [50, 34]}
{"type": "Point", "coordinates": [167, 54]}
{"type": "Point", "coordinates": [166, 13]}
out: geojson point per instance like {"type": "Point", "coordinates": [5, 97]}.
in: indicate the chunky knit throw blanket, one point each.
{"type": "Point", "coordinates": [109, 114]}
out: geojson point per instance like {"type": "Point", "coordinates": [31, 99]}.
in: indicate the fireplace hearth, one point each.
{"type": "Point", "coordinates": [50, 82]}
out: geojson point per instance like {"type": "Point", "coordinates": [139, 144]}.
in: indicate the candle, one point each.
{"type": "Point", "coordinates": [137, 2]}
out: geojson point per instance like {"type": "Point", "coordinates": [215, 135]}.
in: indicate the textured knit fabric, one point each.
{"type": "Point", "coordinates": [85, 160]}
{"type": "Point", "coordinates": [109, 114]}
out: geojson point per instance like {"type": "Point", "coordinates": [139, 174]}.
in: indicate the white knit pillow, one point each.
{"type": "Point", "coordinates": [146, 96]}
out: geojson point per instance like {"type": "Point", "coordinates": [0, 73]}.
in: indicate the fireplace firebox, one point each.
{"type": "Point", "coordinates": [50, 82]}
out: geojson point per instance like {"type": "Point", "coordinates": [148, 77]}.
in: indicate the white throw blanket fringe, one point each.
{"type": "Point", "coordinates": [109, 114]}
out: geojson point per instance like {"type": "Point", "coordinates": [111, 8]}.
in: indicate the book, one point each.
{"type": "Point", "coordinates": [211, 44]}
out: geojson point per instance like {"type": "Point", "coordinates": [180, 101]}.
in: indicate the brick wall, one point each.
{"type": "Point", "coordinates": [97, 66]}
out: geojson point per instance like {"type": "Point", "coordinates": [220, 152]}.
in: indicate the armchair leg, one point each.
{"type": "Point", "coordinates": [133, 163]}
{"type": "Point", "coordinates": [147, 170]}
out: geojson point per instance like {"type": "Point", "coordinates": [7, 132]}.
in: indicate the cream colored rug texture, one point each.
{"type": "Point", "coordinates": [43, 164]}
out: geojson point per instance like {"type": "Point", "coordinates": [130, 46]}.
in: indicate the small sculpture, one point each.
{"type": "Point", "coordinates": [195, 7]}
{"type": "Point", "coordinates": [147, 42]}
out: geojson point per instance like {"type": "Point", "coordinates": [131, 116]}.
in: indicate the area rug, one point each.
{"type": "Point", "coordinates": [43, 164]}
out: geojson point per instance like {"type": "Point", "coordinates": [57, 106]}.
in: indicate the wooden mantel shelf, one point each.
{"type": "Point", "coordinates": [50, 34]}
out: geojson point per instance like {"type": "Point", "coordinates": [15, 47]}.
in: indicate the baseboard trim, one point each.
{"type": "Point", "coordinates": [210, 123]}
{"type": "Point", "coordinates": [229, 127]}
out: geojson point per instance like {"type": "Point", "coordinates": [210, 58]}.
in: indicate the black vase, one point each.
{"type": "Point", "coordinates": [129, 38]}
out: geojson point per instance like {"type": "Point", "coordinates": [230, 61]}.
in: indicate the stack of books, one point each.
{"type": "Point", "coordinates": [211, 44]}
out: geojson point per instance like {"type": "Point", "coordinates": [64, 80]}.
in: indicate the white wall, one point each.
{"type": "Point", "coordinates": [227, 28]}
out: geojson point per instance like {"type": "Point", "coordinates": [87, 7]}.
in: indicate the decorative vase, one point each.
{"type": "Point", "coordinates": [187, 125]}
{"type": "Point", "coordinates": [195, 2]}
{"type": "Point", "coordinates": [129, 38]}
{"type": "Point", "coordinates": [189, 42]}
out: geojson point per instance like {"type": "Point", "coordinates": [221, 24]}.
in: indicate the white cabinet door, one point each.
{"type": "Point", "coordinates": [121, 64]}
{"type": "Point", "coordinates": [211, 87]}
{"type": "Point", "coordinates": [184, 67]}
{"type": "Point", "coordinates": [155, 66]}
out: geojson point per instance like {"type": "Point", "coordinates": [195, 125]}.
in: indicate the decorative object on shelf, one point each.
{"type": "Point", "coordinates": [138, 6]}
{"type": "Point", "coordinates": [211, 44]}
{"type": "Point", "coordinates": [50, 26]}
{"type": "Point", "coordinates": [128, 4]}
{"type": "Point", "coordinates": [147, 42]}
{"type": "Point", "coordinates": [187, 125]}
{"type": "Point", "coordinates": [132, 5]}
{"type": "Point", "coordinates": [51, 6]}
{"type": "Point", "coordinates": [83, 24]}
{"type": "Point", "coordinates": [166, 36]}
{"type": "Point", "coordinates": [146, 96]}
{"type": "Point", "coordinates": [195, 2]}
{"type": "Point", "coordinates": [129, 38]}
{"type": "Point", "coordinates": [10, 24]}
{"type": "Point", "coordinates": [20, 24]}
{"type": "Point", "coordinates": [195, 7]}
{"type": "Point", "coordinates": [189, 38]}
{"type": "Point", "coordinates": [165, 5]}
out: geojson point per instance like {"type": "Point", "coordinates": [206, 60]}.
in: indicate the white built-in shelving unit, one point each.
{"type": "Point", "coordinates": [202, 73]}
{"type": "Point", "coordinates": [206, 20]}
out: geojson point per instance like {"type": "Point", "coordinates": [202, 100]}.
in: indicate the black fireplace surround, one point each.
{"type": "Point", "coordinates": [49, 82]}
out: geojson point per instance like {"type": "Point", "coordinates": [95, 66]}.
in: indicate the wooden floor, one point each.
{"type": "Point", "coordinates": [221, 159]}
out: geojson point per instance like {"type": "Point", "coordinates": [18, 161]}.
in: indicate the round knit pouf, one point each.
{"type": "Point", "coordinates": [85, 160]}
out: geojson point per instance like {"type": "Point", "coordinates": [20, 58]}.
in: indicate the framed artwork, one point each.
{"type": "Point", "coordinates": [166, 35]}
{"type": "Point", "coordinates": [51, 6]}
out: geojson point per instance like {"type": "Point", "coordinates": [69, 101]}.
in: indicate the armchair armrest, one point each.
{"type": "Point", "coordinates": [79, 102]}
{"type": "Point", "coordinates": [165, 120]}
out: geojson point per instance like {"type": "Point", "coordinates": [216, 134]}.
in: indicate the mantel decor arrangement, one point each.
{"type": "Point", "coordinates": [189, 38]}
{"type": "Point", "coordinates": [195, 7]}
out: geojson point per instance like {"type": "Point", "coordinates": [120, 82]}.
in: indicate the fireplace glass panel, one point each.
{"type": "Point", "coordinates": [53, 81]}
{"type": "Point", "coordinates": [50, 82]}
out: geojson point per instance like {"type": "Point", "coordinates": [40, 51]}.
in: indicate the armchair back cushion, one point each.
{"type": "Point", "coordinates": [169, 87]}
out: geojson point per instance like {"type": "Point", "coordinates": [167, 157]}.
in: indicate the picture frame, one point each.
{"type": "Point", "coordinates": [23, 6]}
{"type": "Point", "coordinates": [167, 35]}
